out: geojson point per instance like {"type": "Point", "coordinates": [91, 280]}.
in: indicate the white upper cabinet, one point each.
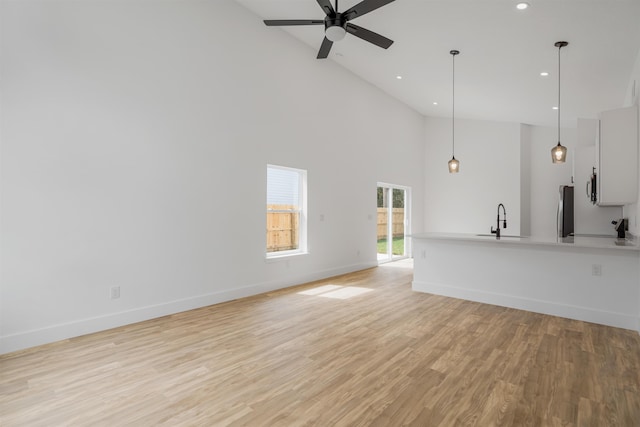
{"type": "Point", "coordinates": [617, 157]}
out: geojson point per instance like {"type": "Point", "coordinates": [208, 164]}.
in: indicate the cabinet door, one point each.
{"type": "Point", "coordinates": [617, 157]}
{"type": "Point", "coordinates": [588, 218]}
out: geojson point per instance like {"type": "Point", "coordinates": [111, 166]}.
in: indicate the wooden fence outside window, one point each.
{"type": "Point", "coordinates": [283, 222]}
{"type": "Point", "coordinates": [397, 220]}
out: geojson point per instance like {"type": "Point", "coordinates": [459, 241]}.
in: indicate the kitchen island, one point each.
{"type": "Point", "coordinates": [593, 279]}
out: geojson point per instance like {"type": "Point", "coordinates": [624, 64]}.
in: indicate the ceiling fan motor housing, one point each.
{"type": "Point", "coordinates": [337, 25]}
{"type": "Point", "coordinates": [335, 28]}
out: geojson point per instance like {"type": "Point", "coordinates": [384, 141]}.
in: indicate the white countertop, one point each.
{"type": "Point", "coordinates": [575, 242]}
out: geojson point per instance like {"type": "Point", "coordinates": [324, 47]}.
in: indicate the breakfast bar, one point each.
{"type": "Point", "coordinates": [594, 279]}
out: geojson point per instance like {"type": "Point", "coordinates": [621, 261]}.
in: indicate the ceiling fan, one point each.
{"type": "Point", "coordinates": [336, 24]}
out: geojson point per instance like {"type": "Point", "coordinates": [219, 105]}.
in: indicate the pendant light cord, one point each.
{"type": "Point", "coordinates": [453, 109]}
{"type": "Point", "coordinates": [559, 48]}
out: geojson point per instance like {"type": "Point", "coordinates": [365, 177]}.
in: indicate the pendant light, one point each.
{"type": "Point", "coordinates": [454, 164]}
{"type": "Point", "coordinates": [559, 152]}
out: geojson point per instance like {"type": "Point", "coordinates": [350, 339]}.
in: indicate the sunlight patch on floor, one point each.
{"type": "Point", "coordinates": [320, 290]}
{"type": "Point", "coordinates": [402, 263]}
{"type": "Point", "coordinates": [336, 292]}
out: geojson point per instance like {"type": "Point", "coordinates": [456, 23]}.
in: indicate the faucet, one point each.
{"type": "Point", "coordinates": [504, 222]}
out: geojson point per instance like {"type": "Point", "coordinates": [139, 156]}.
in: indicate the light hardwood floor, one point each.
{"type": "Point", "coordinates": [356, 350]}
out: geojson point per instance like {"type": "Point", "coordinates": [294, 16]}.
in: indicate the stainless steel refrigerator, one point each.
{"type": "Point", "coordinates": [565, 211]}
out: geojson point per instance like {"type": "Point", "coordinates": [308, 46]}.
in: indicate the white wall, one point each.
{"type": "Point", "coordinates": [521, 173]}
{"type": "Point", "coordinates": [135, 139]}
{"type": "Point", "coordinates": [504, 163]}
{"type": "Point", "coordinates": [466, 202]}
{"type": "Point", "coordinates": [525, 180]}
{"type": "Point", "coordinates": [632, 211]}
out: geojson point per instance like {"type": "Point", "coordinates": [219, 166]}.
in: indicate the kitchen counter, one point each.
{"type": "Point", "coordinates": [594, 242]}
{"type": "Point", "coordinates": [594, 279]}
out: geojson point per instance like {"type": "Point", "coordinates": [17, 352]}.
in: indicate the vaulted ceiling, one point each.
{"type": "Point", "coordinates": [503, 51]}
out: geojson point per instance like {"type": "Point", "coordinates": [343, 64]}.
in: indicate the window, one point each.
{"type": "Point", "coordinates": [286, 211]}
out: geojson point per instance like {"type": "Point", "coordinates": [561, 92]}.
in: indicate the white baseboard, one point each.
{"type": "Point", "coordinates": [618, 320]}
{"type": "Point", "coordinates": [49, 334]}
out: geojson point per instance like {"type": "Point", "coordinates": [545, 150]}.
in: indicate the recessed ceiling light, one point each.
{"type": "Point", "coordinates": [554, 108]}
{"type": "Point", "coordinates": [435, 103]}
{"type": "Point", "coordinates": [522, 5]}
{"type": "Point", "coordinates": [544, 74]}
{"type": "Point", "coordinates": [399, 77]}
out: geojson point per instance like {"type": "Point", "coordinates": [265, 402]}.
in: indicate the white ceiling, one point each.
{"type": "Point", "coordinates": [503, 50]}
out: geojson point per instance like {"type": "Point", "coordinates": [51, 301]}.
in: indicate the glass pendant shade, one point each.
{"type": "Point", "coordinates": [454, 165]}
{"type": "Point", "coordinates": [559, 153]}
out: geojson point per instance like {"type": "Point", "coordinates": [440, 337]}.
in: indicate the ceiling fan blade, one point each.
{"type": "Point", "coordinates": [363, 7]}
{"type": "Point", "coordinates": [327, 7]}
{"type": "Point", "coordinates": [369, 36]}
{"type": "Point", "coordinates": [283, 22]}
{"type": "Point", "coordinates": [324, 48]}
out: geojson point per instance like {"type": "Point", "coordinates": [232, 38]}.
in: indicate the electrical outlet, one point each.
{"type": "Point", "coordinates": [423, 254]}
{"type": "Point", "coordinates": [115, 292]}
{"type": "Point", "coordinates": [596, 270]}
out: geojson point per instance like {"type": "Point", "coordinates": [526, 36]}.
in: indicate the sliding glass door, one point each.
{"type": "Point", "coordinates": [393, 222]}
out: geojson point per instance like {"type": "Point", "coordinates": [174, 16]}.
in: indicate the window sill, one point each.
{"type": "Point", "coordinates": [283, 257]}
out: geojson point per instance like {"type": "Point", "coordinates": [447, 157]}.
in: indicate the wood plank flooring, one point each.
{"type": "Point", "coordinates": [356, 350]}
